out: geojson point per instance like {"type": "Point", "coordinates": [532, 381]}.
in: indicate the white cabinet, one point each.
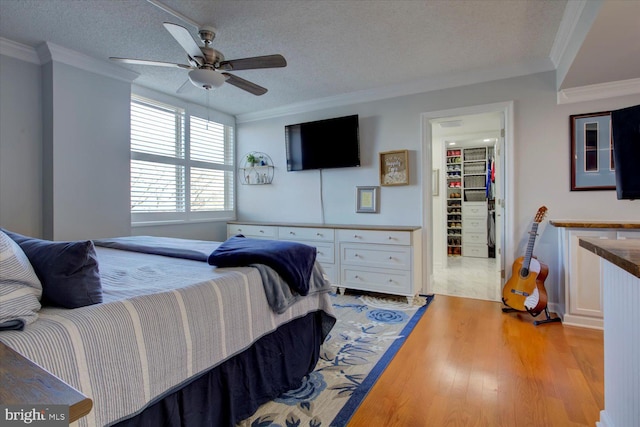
{"type": "Point", "coordinates": [375, 258]}
{"type": "Point", "coordinates": [384, 261]}
{"type": "Point", "coordinates": [253, 231]}
{"type": "Point", "coordinates": [475, 230]}
{"type": "Point", "coordinates": [467, 220]}
{"type": "Point", "coordinates": [584, 293]}
{"type": "Point", "coordinates": [583, 275]}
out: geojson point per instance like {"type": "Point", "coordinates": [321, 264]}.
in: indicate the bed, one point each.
{"type": "Point", "coordinates": [176, 341]}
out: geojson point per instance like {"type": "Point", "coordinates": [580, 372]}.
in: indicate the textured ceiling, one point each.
{"type": "Point", "coordinates": [332, 47]}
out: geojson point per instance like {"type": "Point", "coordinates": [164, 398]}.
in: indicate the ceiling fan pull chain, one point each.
{"type": "Point", "coordinates": [208, 95]}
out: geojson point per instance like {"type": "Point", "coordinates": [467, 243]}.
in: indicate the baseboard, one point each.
{"type": "Point", "coordinates": [583, 321]}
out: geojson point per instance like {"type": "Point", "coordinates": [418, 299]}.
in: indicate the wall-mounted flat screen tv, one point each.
{"type": "Point", "coordinates": [323, 144]}
{"type": "Point", "coordinates": [625, 131]}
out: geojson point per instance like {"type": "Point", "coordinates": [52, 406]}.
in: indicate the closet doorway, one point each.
{"type": "Point", "coordinates": [466, 220]}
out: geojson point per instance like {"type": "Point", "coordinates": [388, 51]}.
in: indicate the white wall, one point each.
{"type": "Point", "coordinates": [20, 146]}
{"type": "Point", "coordinates": [540, 148]}
{"type": "Point", "coordinates": [89, 137]}
{"type": "Point", "coordinates": [295, 196]}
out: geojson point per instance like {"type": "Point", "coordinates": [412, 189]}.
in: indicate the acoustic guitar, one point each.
{"type": "Point", "coordinates": [525, 289]}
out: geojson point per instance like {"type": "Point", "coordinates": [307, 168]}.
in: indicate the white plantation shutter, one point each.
{"type": "Point", "coordinates": [181, 165]}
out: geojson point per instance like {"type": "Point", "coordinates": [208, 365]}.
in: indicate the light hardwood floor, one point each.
{"type": "Point", "coordinates": [468, 364]}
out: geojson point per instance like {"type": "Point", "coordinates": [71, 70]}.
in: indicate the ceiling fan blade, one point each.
{"type": "Point", "coordinates": [245, 84]}
{"type": "Point", "coordinates": [267, 61]}
{"type": "Point", "coordinates": [155, 63]}
{"type": "Point", "coordinates": [184, 38]}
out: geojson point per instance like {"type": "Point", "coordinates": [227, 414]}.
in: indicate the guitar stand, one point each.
{"type": "Point", "coordinates": [548, 319]}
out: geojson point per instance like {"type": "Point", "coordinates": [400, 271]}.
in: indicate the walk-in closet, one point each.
{"type": "Point", "coordinates": [466, 256]}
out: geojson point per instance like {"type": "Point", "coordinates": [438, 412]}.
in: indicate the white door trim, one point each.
{"type": "Point", "coordinates": [508, 176]}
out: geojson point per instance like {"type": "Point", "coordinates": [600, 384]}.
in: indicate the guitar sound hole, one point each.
{"type": "Point", "coordinates": [524, 272]}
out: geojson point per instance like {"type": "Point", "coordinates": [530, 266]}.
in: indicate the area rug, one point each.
{"type": "Point", "coordinates": [369, 332]}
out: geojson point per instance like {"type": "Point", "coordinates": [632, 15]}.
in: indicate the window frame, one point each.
{"type": "Point", "coordinates": [188, 111]}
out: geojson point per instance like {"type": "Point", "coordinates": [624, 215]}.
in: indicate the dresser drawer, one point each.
{"type": "Point", "coordinates": [388, 281]}
{"type": "Point", "coordinates": [255, 231]}
{"type": "Point", "coordinates": [475, 250]}
{"type": "Point", "coordinates": [300, 233]}
{"type": "Point", "coordinates": [397, 257]}
{"type": "Point", "coordinates": [477, 210]}
{"type": "Point", "coordinates": [475, 238]}
{"type": "Point", "coordinates": [331, 272]}
{"type": "Point", "coordinates": [374, 236]}
{"type": "Point", "coordinates": [474, 224]}
{"type": "Point", "coordinates": [325, 252]}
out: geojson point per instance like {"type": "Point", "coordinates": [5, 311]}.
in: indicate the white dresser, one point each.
{"type": "Point", "coordinates": [384, 259]}
{"type": "Point", "coordinates": [474, 229]}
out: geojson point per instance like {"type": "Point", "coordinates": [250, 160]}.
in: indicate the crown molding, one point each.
{"type": "Point", "coordinates": [19, 51]}
{"type": "Point", "coordinates": [444, 81]}
{"type": "Point", "coordinates": [599, 91]}
{"type": "Point", "coordinates": [576, 22]}
{"type": "Point", "coordinates": [48, 52]}
{"type": "Point", "coordinates": [568, 24]}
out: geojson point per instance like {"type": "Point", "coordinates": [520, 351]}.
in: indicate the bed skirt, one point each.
{"type": "Point", "coordinates": [233, 390]}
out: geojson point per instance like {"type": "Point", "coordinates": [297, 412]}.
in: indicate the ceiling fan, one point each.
{"type": "Point", "coordinates": [208, 67]}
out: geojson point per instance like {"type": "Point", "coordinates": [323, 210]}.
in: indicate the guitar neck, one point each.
{"type": "Point", "coordinates": [532, 239]}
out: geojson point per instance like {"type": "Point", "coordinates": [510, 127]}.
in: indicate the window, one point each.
{"type": "Point", "coordinates": [181, 165]}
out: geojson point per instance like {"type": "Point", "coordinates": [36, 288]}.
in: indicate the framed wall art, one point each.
{"type": "Point", "coordinates": [367, 199]}
{"type": "Point", "coordinates": [592, 164]}
{"type": "Point", "coordinates": [394, 167]}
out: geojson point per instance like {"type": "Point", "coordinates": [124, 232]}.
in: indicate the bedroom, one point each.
{"type": "Point", "coordinates": [91, 141]}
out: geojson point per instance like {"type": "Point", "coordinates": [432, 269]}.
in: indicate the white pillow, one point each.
{"type": "Point", "coordinates": [20, 288]}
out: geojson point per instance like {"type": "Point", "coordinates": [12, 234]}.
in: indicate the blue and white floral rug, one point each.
{"type": "Point", "coordinates": [368, 333]}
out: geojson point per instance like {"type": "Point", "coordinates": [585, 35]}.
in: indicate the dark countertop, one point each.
{"type": "Point", "coordinates": [575, 223]}
{"type": "Point", "coordinates": [26, 383]}
{"type": "Point", "coordinates": [625, 253]}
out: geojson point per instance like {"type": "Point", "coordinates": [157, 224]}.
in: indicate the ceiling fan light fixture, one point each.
{"type": "Point", "coordinates": [207, 79]}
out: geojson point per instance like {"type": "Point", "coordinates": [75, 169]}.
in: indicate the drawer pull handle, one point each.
{"type": "Point", "coordinates": [262, 231]}
{"type": "Point", "coordinates": [356, 255]}
{"type": "Point", "coordinates": [355, 236]}
{"type": "Point", "coordinates": [319, 234]}
{"type": "Point", "coordinates": [292, 233]}
{"type": "Point", "coordinates": [319, 252]}
{"type": "Point", "coordinates": [357, 277]}
{"type": "Point", "coordinates": [390, 238]}
{"type": "Point", "coordinates": [390, 257]}
{"type": "Point", "coordinates": [390, 280]}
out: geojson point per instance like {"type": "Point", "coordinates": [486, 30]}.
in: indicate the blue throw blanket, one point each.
{"type": "Point", "coordinates": [292, 261]}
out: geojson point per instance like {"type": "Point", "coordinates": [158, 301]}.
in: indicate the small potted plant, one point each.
{"type": "Point", "coordinates": [252, 159]}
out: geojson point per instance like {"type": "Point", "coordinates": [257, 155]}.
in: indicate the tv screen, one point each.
{"type": "Point", "coordinates": [625, 131]}
{"type": "Point", "coordinates": [323, 144]}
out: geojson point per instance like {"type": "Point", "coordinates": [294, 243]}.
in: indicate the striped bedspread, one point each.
{"type": "Point", "coordinates": [163, 321]}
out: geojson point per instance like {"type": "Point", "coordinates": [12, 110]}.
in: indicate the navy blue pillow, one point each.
{"type": "Point", "coordinates": [292, 261]}
{"type": "Point", "coordinates": [68, 270]}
